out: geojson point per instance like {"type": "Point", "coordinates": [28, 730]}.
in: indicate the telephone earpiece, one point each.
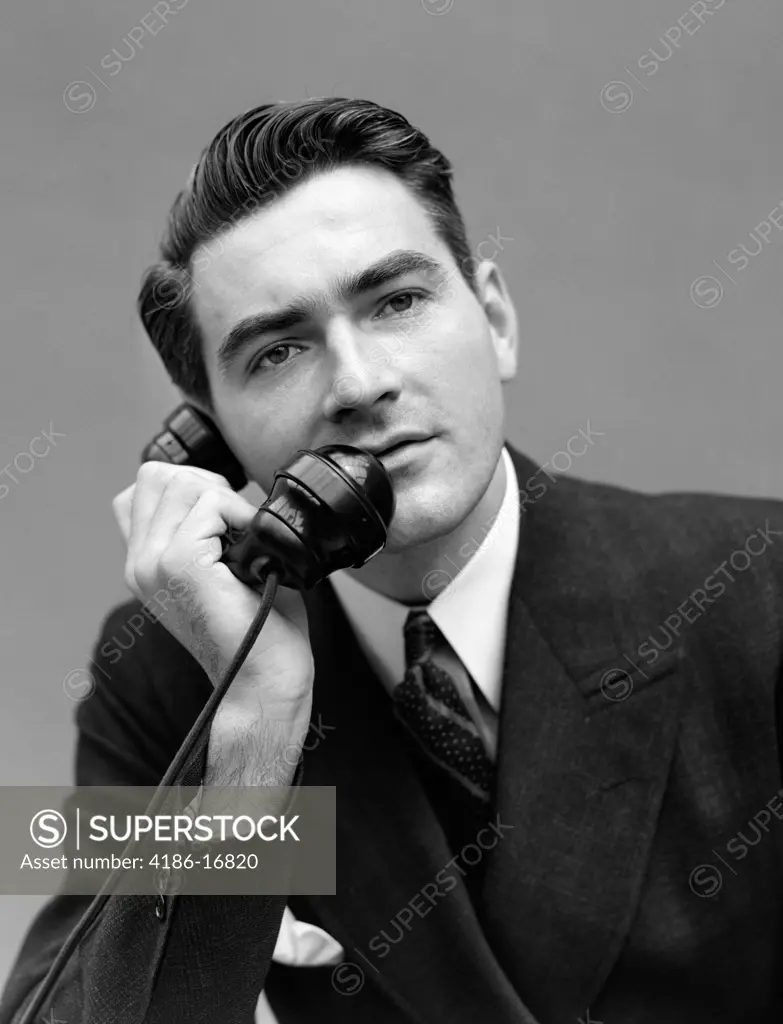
{"type": "Point", "coordinates": [189, 438]}
{"type": "Point", "coordinates": [328, 509]}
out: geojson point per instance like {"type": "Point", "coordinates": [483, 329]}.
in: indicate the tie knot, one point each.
{"type": "Point", "coordinates": [421, 635]}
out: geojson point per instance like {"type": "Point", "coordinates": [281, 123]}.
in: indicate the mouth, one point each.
{"type": "Point", "coordinates": [395, 447]}
{"type": "Point", "coordinates": [400, 451]}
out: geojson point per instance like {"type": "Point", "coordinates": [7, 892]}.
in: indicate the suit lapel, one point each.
{"type": "Point", "coordinates": [583, 759]}
{"type": "Point", "coordinates": [428, 955]}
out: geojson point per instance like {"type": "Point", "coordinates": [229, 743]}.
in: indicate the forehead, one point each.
{"type": "Point", "coordinates": [335, 222]}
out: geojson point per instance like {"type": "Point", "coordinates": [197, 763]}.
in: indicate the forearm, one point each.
{"type": "Point", "coordinates": [253, 746]}
{"type": "Point", "coordinates": [255, 751]}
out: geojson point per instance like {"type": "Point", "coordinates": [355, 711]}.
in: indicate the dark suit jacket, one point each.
{"type": "Point", "coordinates": [642, 876]}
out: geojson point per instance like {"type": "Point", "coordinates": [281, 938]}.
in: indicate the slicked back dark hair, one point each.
{"type": "Point", "coordinates": [257, 157]}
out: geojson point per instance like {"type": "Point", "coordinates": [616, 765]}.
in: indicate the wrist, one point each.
{"type": "Point", "coordinates": [240, 719]}
{"type": "Point", "coordinates": [254, 750]}
{"type": "Point", "coordinates": [251, 697]}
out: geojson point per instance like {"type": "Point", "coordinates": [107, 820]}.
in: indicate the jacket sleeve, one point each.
{"type": "Point", "coordinates": [146, 958]}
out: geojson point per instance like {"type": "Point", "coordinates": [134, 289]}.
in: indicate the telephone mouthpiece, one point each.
{"type": "Point", "coordinates": [329, 509]}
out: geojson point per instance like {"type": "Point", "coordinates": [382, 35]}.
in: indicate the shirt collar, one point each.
{"type": "Point", "coordinates": [483, 583]}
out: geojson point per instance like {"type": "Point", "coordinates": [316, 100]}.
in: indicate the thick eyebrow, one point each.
{"type": "Point", "coordinates": [396, 264]}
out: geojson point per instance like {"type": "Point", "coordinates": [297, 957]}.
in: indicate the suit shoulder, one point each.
{"type": "Point", "coordinates": [604, 558]}
{"type": "Point", "coordinates": [675, 528]}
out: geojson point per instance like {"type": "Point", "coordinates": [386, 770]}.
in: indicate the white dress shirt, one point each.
{"type": "Point", "coordinates": [470, 610]}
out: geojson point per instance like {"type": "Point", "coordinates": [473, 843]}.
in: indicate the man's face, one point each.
{"type": "Point", "coordinates": [410, 350]}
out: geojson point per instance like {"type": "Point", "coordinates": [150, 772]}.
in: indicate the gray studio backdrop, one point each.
{"type": "Point", "coordinates": [624, 150]}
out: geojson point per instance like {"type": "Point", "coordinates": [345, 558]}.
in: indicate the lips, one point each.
{"type": "Point", "coordinates": [387, 449]}
{"type": "Point", "coordinates": [394, 447]}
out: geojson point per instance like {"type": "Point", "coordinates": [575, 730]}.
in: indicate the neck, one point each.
{"type": "Point", "coordinates": [417, 575]}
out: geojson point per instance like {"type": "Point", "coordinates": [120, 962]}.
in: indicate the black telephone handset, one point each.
{"type": "Point", "coordinates": [330, 508]}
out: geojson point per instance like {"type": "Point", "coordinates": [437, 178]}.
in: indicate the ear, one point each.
{"type": "Point", "coordinates": [501, 315]}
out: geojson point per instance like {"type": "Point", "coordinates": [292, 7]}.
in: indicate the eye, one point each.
{"type": "Point", "coordinates": [403, 302]}
{"type": "Point", "coordinates": [256, 365]}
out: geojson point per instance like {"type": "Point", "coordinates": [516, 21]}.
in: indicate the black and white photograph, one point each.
{"type": "Point", "coordinates": [391, 512]}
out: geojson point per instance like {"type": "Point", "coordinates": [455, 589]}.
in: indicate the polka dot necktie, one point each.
{"type": "Point", "coordinates": [428, 703]}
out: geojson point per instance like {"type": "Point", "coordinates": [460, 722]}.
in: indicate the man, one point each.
{"type": "Point", "coordinates": [549, 706]}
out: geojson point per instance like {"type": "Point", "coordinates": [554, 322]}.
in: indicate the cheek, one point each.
{"type": "Point", "coordinates": [255, 442]}
{"type": "Point", "coordinates": [464, 365]}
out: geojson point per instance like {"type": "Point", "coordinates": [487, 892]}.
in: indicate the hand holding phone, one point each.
{"type": "Point", "coordinates": [173, 518]}
{"type": "Point", "coordinates": [193, 542]}
{"type": "Point", "coordinates": [328, 509]}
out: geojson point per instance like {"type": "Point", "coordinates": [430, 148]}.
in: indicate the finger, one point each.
{"type": "Point", "coordinates": [214, 513]}
{"type": "Point", "coordinates": [121, 506]}
{"type": "Point", "coordinates": [152, 481]}
{"type": "Point", "coordinates": [195, 543]}
{"type": "Point", "coordinates": [167, 550]}
{"type": "Point", "coordinates": [176, 501]}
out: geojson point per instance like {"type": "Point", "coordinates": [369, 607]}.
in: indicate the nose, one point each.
{"type": "Point", "coordinates": [364, 371]}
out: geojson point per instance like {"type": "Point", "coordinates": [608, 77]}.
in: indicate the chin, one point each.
{"type": "Point", "coordinates": [411, 528]}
